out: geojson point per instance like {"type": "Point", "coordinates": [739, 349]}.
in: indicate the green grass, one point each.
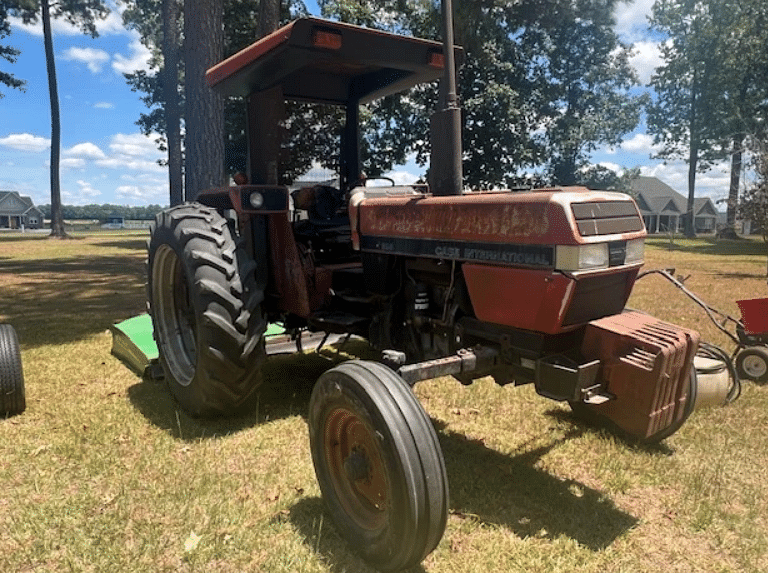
{"type": "Point", "coordinates": [104, 473]}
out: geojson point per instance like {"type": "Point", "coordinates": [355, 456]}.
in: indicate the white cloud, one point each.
{"type": "Point", "coordinates": [112, 24]}
{"type": "Point", "coordinates": [72, 163]}
{"type": "Point", "coordinates": [84, 195]}
{"type": "Point", "coordinates": [137, 59]}
{"type": "Point", "coordinates": [646, 59]}
{"type": "Point", "coordinates": [615, 167]}
{"type": "Point", "coordinates": [640, 143]}
{"type": "Point", "coordinates": [400, 177]}
{"type": "Point", "coordinates": [104, 105]}
{"type": "Point", "coordinates": [632, 19]}
{"type": "Point", "coordinates": [85, 150]}
{"type": "Point", "coordinates": [713, 183]}
{"type": "Point", "coordinates": [94, 59]}
{"type": "Point", "coordinates": [143, 194]}
{"type": "Point", "coordinates": [135, 145]}
{"type": "Point", "coordinates": [26, 142]}
{"type": "Point", "coordinates": [133, 152]}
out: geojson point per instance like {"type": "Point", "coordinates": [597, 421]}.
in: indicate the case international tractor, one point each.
{"type": "Point", "coordinates": [526, 287]}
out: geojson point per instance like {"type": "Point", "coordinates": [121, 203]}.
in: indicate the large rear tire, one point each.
{"type": "Point", "coordinates": [12, 396]}
{"type": "Point", "coordinates": [379, 464]}
{"type": "Point", "coordinates": [206, 310]}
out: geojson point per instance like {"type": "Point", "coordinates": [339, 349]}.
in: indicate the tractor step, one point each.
{"type": "Point", "coordinates": [338, 322]}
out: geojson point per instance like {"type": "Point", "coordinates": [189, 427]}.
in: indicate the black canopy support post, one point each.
{"type": "Point", "coordinates": [266, 112]}
{"type": "Point", "coordinates": [446, 174]}
{"type": "Point", "coordinates": [350, 147]}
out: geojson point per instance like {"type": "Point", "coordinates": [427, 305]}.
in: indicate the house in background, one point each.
{"type": "Point", "coordinates": [663, 208]}
{"type": "Point", "coordinates": [18, 211]}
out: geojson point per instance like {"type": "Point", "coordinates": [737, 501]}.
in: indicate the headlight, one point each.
{"type": "Point", "coordinates": [581, 257]}
{"type": "Point", "coordinates": [257, 200]}
{"type": "Point", "coordinates": [635, 251]}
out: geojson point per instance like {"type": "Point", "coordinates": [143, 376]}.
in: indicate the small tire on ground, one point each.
{"type": "Point", "coordinates": [379, 464]}
{"type": "Point", "coordinates": [206, 310]}
{"type": "Point", "coordinates": [592, 417]}
{"type": "Point", "coordinates": [12, 395]}
{"type": "Point", "coordinates": [752, 363]}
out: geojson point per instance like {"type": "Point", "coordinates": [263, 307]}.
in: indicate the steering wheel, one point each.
{"type": "Point", "coordinates": [382, 177]}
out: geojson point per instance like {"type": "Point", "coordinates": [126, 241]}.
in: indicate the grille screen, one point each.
{"type": "Point", "coordinates": [596, 297]}
{"type": "Point", "coordinates": [606, 218]}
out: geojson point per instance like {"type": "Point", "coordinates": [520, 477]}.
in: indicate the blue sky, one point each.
{"type": "Point", "coordinates": [105, 158]}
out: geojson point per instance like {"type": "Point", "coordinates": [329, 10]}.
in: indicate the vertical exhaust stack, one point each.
{"type": "Point", "coordinates": [446, 175]}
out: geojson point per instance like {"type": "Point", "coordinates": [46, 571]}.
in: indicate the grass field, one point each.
{"type": "Point", "coordinates": [104, 473]}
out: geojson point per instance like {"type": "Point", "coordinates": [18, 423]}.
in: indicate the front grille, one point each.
{"type": "Point", "coordinates": [606, 218]}
{"type": "Point", "coordinates": [599, 296]}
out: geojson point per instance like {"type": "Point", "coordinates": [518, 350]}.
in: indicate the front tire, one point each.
{"type": "Point", "coordinates": [379, 464]}
{"type": "Point", "coordinates": [206, 310]}
{"type": "Point", "coordinates": [12, 395]}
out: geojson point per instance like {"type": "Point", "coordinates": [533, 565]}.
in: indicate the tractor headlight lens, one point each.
{"type": "Point", "coordinates": [594, 256]}
{"type": "Point", "coordinates": [635, 251]}
{"type": "Point", "coordinates": [581, 257]}
{"type": "Point", "coordinates": [257, 200]}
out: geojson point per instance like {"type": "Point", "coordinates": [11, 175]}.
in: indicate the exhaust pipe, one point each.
{"type": "Point", "coordinates": [446, 174]}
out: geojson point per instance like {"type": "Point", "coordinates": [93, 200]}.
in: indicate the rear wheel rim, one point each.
{"type": "Point", "coordinates": [175, 315]}
{"type": "Point", "coordinates": [356, 469]}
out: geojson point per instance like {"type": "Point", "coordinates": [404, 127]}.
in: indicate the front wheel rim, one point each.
{"type": "Point", "coordinates": [356, 469]}
{"type": "Point", "coordinates": [174, 316]}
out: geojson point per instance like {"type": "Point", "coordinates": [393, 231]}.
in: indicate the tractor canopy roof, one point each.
{"type": "Point", "coordinates": [325, 61]}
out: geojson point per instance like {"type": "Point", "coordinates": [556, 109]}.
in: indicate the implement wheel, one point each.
{"type": "Point", "coordinates": [752, 363]}
{"type": "Point", "coordinates": [206, 310]}
{"type": "Point", "coordinates": [12, 396]}
{"type": "Point", "coordinates": [378, 463]}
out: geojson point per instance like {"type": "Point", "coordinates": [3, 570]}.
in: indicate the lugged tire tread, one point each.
{"type": "Point", "coordinates": [229, 318]}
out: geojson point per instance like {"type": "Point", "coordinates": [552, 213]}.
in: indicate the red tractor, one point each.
{"type": "Point", "coordinates": [527, 287]}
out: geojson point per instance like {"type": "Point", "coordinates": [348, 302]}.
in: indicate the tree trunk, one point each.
{"type": "Point", "coordinates": [204, 117]}
{"type": "Point", "coordinates": [57, 220]}
{"type": "Point", "coordinates": [269, 16]}
{"type": "Point", "coordinates": [693, 160]}
{"type": "Point", "coordinates": [171, 97]}
{"type": "Point", "coordinates": [733, 191]}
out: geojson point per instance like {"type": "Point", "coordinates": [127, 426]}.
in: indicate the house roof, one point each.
{"type": "Point", "coordinates": [655, 196]}
{"type": "Point", "coordinates": [11, 203]}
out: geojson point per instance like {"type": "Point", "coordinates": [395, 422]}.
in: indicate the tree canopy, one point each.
{"type": "Point", "coordinates": [8, 53]}
{"type": "Point", "coordinates": [710, 93]}
{"type": "Point", "coordinates": [544, 84]}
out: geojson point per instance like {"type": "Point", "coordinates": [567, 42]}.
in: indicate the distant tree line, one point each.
{"type": "Point", "coordinates": [104, 212]}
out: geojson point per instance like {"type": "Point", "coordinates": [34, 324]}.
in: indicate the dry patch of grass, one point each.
{"type": "Point", "coordinates": [103, 472]}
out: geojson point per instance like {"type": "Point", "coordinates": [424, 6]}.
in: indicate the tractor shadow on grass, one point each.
{"type": "Point", "coordinates": [608, 429]}
{"type": "Point", "coordinates": [508, 490]}
{"type": "Point", "coordinates": [287, 386]}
